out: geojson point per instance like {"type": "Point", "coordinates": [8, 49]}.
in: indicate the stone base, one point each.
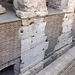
{"type": "Point", "coordinates": [59, 64]}
{"type": "Point", "coordinates": [69, 70]}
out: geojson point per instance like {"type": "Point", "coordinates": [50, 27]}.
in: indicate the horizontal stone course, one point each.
{"type": "Point", "coordinates": [59, 64]}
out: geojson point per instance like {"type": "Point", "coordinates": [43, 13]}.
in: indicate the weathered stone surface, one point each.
{"type": "Point", "coordinates": [54, 27]}
{"type": "Point", "coordinates": [69, 69]}
{"type": "Point", "coordinates": [30, 8]}
{"type": "Point", "coordinates": [59, 64]}
{"type": "Point", "coordinates": [9, 42]}
{"type": "Point", "coordinates": [33, 42]}
{"type": "Point", "coordinates": [32, 56]}
{"type": "Point", "coordinates": [66, 37]}
{"type": "Point", "coordinates": [64, 5]}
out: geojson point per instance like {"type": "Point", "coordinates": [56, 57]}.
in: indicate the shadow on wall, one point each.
{"type": "Point", "coordinates": [9, 1]}
{"type": "Point", "coordinates": [73, 32]}
{"type": "Point", "coordinates": [8, 71]}
{"type": "Point", "coordinates": [53, 31]}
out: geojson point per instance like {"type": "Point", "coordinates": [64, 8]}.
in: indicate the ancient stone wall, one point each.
{"type": "Point", "coordinates": [32, 32]}
{"type": "Point", "coordinates": [34, 40]}
{"type": "Point", "coordinates": [64, 5]}
{"type": "Point", "coordinates": [33, 28]}
{"type": "Point", "coordinates": [9, 42]}
{"type": "Point", "coordinates": [30, 8]}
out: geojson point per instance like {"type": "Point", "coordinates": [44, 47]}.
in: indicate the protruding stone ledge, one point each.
{"type": "Point", "coordinates": [59, 64]}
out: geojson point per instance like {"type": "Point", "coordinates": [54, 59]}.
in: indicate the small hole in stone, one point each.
{"type": "Point", "coordinates": [21, 25]}
{"type": "Point", "coordinates": [46, 40]}
{"type": "Point", "coordinates": [73, 40]}
{"type": "Point", "coordinates": [33, 36]}
{"type": "Point", "coordinates": [36, 31]}
{"type": "Point", "coordinates": [29, 19]}
{"type": "Point", "coordinates": [20, 61]}
{"type": "Point", "coordinates": [31, 23]}
{"type": "Point", "coordinates": [21, 31]}
{"type": "Point", "coordinates": [43, 48]}
{"type": "Point", "coordinates": [31, 41]}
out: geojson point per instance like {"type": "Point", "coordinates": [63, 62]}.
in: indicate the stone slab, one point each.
{"type": "Point", "coordinates": [10, 15]}
{"type": "Point", "coordinates": [55, 67]}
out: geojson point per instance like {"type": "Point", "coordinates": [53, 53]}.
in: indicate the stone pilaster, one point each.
{"type": "Point", "coordinates": [30, 8]}
{"type": "Point", "coordinates": [32, 32]}
{"type": "Point", "coordinates": [66, 38]}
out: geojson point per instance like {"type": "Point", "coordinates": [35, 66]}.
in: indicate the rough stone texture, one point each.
{"type": "Point", "coordinates": [9, 42]}
{"type": "Point", "coordinates": [52, 56]}
{"type": "Point", "coordinates": [32, 32]}
{"type": "Point", "coordinates": [66, 31]}
{"type": "Point", "coordinates": [34, 70]}
{"type": "Point", "coordinates": [59, 64]}
{"type": "Point", "coordinates": [69, 69]}
{"type": "Point", "coordinates": [24, 8]}
{"type": "Point", "coordinates": [54, 25]}
{"type": "Point", "coordinates": [53, 30]}
{"type": "Point", "coordinates": [64, 5]}
{"type": "Point", "coordinates": [33, 42]}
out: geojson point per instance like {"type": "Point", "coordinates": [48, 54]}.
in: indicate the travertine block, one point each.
{"type": "Point", "coordinates": [35, 51]}
{"type": "Point", "coordinates": [30, 8]}
{"type": "Point", "coordinates": [63, 43]}
{"type": "Point", "coordinates": [32, 30]}
{"type": "Point", "coordinates": [30, 64]}
{"type": "Point", "coordinates": [33, 56]}
{"type": "Point", "coordinates": [31, 61]}
{"type": "Point", "coordinates": [25, 32]}
{"type": "Point", "coordinates": [35, 41]}
{"type": "Point", "coordinates": [68, 22]}
{"type": "Point", "coordinates": [25, 44]}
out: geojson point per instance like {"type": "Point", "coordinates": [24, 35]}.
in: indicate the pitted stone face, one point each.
{"type": "Point", "coordinates": [30, 8]}
{"type": "Point", "coordinates": [64, 5]}
{"type": "Point", "coordinates": [2, 10]}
